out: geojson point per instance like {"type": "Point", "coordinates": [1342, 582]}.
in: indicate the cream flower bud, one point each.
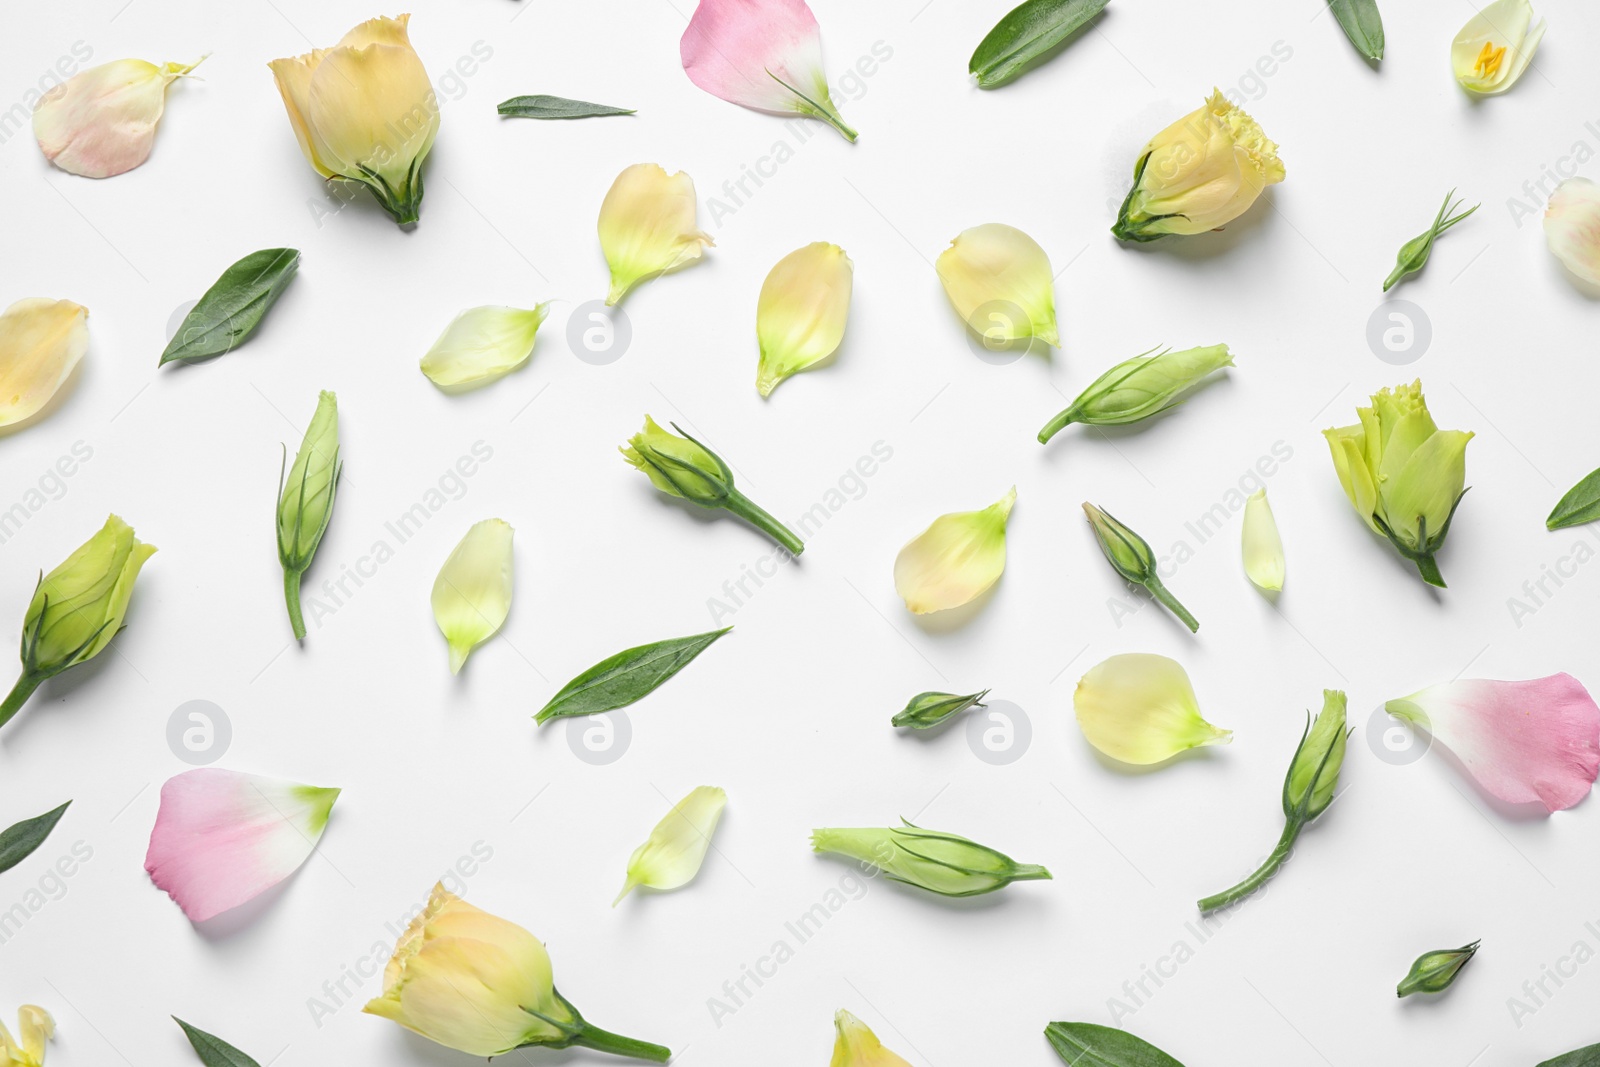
{"type": "Point", "coordinates": [1262, 547]}
{"type": "Point", "coordinates": [41, 341]}
{"type": "Point", "coordinates": [677, 846]}
{"type": "Point", "coordinates": [999, 281]}
{"type": "Point", "coordinates": [483, 344]}
{"type": "Point", "coordinates": [1200, 173]}
{"type": "Point", "coordinates": [801, 315]}
{"type": "Point", "coordinates": [305, 502]}
{"type": "Point", "coordinates": [647, 226]}
{"type": "Point", "coordinates": [102, 122]}
{"type": "Point", "coordinates": [472, 595]}
{"type": "Point", "coordinates": [955, 559]}
{"type": "Point", "coordinates": [855, 1045]}
{"type": "Point", "coordinates": [1495, 47]}
{"type": "Point", "coordinates": [35, 1027]}
{"type": "Point", "coordinates": [1572, 227]}
{"type": "Point", "coordinates": [1140, 708]}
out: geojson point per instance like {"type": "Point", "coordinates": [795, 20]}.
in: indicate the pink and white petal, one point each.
{"type": "Point", "coordinates": [102, 122]}
{"type": "Point", "coordinates": [1529, 741]}
{"type": "Point", "coordinates": [222, 838]}
{"type": "Point", "coordinates": [735, 49]}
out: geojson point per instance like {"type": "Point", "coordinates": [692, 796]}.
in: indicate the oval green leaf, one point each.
{"type": "Point", "coordinates": [1025, 34]}
{"type": "Point", "coordinates": [213, 1051]}
{"type": "Point", "coordinates": [1588, 1056]}
{"type": "Point", "coordinates": [18, 842]}
{"type": "Point", "coordinates": [626, 677]}
{"type": "Point", "coordinates": [1580, 505]}
{"type": "Point", "coordinates": [230, 310]}
{"type": "Point", "coordinates": [557, 107]}
{"type": "Point", "coordinates": [1361, 24]}
{"type": "Point", "coordinates": [1088, 1045]}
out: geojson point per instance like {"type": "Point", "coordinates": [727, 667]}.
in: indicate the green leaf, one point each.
{"type": "Point", "coordinates": [213, 1051]}
{"type": "Point", "coordinates": [1028, 32]}
{"type": "Point", "coordinates": [626, 677]}
{"type": "Point", "coordinates": [1362, 25]}
{"type": "Point", "coordinates": [1088, 1045]}
{"type": "Point", "coordinates": [1580, 505]}
{"type": "Point", "coordinates": [18, 842]}
{"type": "Point", "coordinates": [231, 309]}
{"type": "Point", "coordinates": [557, 107]}
{"type": "Point", "coordinates": [1588, 1056]}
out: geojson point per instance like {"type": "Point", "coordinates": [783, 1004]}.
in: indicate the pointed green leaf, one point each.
{"type": "Point", "coordinates": [626, 677]}
{"type": "Point", "coordinates": [1025, 34]}
{"type": "Point", "coordinates": [18, 842]}
{"type": "Point", "coordinates": [1580, 505]}
{"type": "Point", "coordinates": [1588, 1056]}
{"type": "Point", "coordinates": [213, 1051]}
{"type": "Point", "coordinates": [557, 107]}
{"type": "Point", "coordinates": [1088, 1045]}
{"type": "Point", "coordinates": [1361, 24]}
{"type": "Point", "coordinates": [230, 310]}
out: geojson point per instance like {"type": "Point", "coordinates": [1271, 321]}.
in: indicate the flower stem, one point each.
{"type": "Point", "coordinates": [750, 512]}
{"type": "Point", "coordinates": [1057, 424]}
{"type": "Point", "coordinates": [291, 596]}
{"type": "Point", "coordinates": [605, 1041]}
{"type": "Point", "coordinates": [19, 696]}
{"type": "Point", "coordinates": [1170, 602]}
{"type": "Point", "coordinates": [1260, 878]}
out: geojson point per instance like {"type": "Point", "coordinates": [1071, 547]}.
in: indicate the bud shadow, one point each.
{"type": "Point", "coordinates": [235, 921]}
{"type": "Point", "coordinates": [1587, 290]}
{"type": "Point", "coordinates": [953, 619]}
{"type": "Point", "coordinates": [1011, 896]}
{"type": "Point", "coordinates": [58, 691]}
{"type": "Point", "coordinates": [419, 1050]}
{"type": "Point", "coordinates": [1203, 753]}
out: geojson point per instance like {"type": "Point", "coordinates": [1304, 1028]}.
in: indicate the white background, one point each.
{"type": "Point", "coordinates": [790, 712]}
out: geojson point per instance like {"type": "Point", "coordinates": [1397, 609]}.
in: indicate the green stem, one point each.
{"type": "Point", "coordinates": [750, 512]}
{"type": "Point", "coordinates": [1057, 424]}
{"type": "Point", "coordinates": [1170, 602]}
{"type": "Point", "coordinates": [19, 695]}
{"type": "Point", "coordinates": [291, 596]}
{"type": "Point", "coordinates": [1028, 872]}
{"type": "Point", "coordinates": [592, 1036]}
{"type": "Point", "coordinates": [1260, 878]}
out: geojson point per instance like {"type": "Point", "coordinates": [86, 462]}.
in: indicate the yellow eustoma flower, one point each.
{"type": "Point", "coordinates": [1200, 173]}
{"type": "Point", "coordinates": [677, 846]}
{"type": "Point", "coordinates": [955, 559]}
{"type": "Point", "coordinates": [35, 1027]}
{"type": "Point", "coordinates": [647, 226]}
{"type": "Point", "coordinates": [41, 341]}
{"type": "Point", "coordinates": [855, 1045]}
{"type": "Point", "coordinates": [1495, 47]}
{"type": "Point", "coordinates": [801, 315]}
{"type": "Point", "coordinates": [999, 281]}
{"type": "Point", "coordinates": [472, 595]}
{"type": "Point", "coordinates": [1140, 708]}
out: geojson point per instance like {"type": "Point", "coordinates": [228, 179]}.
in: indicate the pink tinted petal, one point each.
{"type": "Point", "coordinates": [1537, 740]}
{"type": "Point", "coordinates": [102, 122]}
{"type": "Point", "coordinates": [222, 838]}
{"type": "Point", "coordinates": [731, 45]}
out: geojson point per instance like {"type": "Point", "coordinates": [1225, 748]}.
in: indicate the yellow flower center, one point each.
{"type": "Point", "coordinates": [1489, 60]}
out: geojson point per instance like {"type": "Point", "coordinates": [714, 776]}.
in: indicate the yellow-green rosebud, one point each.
{"type": "Point", "coordinates": [1140, 387]}
{"type": "Point", "coordinates": [1434, 971]}
{"type": "Point", "coordinates": [938, 862]}
{"type": "Point", "coordinates": [305, 501]}
{"type": "Point", "coordinates": [1131, 556]}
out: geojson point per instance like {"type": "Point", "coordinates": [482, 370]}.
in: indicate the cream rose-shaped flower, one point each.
{"type": "Point", "coordinates": [364, 111]}
{"type": "Point", "coordinates": [648, 227]}
{"type": "Point", "coordinates": [1495, 47]}
{"type": "Point", "coordinates": [955, 559]}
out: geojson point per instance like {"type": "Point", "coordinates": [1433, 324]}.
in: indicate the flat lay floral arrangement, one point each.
{"type": "Point", "coordinates": [1054, 423]}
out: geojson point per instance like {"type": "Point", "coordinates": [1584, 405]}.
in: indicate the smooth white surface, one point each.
{"type": "Point", "coordinates": [790, 712]}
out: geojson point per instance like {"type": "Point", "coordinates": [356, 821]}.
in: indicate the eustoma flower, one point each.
{"type": "Point", "coordinates": [956, 559]}
{"type": "Point", "coordinates": [647, 226]}
{"type": "Point", "coordinates": [1524, 742]}
{"type": "Point", "coordinates": [77, 608]}
{"type": "Point", "coordinates": [855, 1045]}
{"type": "Point", "coordinates": [476, 983]}
{"type": "Point", "coordinates": [801, 315]}
{"type": "Point", "coordinates": [677, 846]}
{"type": "Point", "coordinates": [483, 344]}
{"type": "Point", "coordinates": [1261, 545]}
{"type": "Point", "coordinates": [102, 122]}
{"type": "Point", "coordinates": [1572, 227]}
{"type": "Point", "coordinates": [34, 1028]}
{"type": "Point", "coordinates": [1403, 474]}
{"type": "Point", "coordinates": [1131, 556]}
{"type": "Point", "coordinates": [41, 341]}
{"type": "Point", "coordinates": [999, 281]}
{"type": "Point", "coordinates": [1139, 388]}
{"type": "Point", "coordinates": [1308, 789]}
{"type": "Point", "coordinates": [1200, 173]}
{"type": "Point", "coordinates": [364, 111]}
{"type": "Point", "coordinates": [472, 595]}
{"type": "Point", "coordinates": [942, 863]}
{"type": "Point", "coordinates": [1495, 47]}
{"type": "Point", "coordinates": [760, 54]}
{"type": "Point", "coordinates": [223, 838]}
{"type": "Point", "coordinates": [1140, 708]}
{"type": "Point", "coordinates": [305, 502]}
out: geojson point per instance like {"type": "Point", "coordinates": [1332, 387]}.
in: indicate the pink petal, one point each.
{"type": "Point", "coordinates": [1537, 740]}
{"type": "Point", "coordinates": [222, 838]}
{"type": "Point", "coordinates": [102, 122]}
{"type": "Point", "coordinates": [731, 45]}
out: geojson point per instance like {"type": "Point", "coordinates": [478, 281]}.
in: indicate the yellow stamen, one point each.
{"type": "Point", "coordinates": [1489, 60]}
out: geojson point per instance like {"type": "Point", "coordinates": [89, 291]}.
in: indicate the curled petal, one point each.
{"type": "Point", "coordinates": [483, 344]}
{"type": "Point", "coordinates": [41, 341]}
{"type": "Point", "coordinates": [955, 559]}
{"type": "Point", "coordinates": [1537, 740]}
{"type": "Point", "coordinates": [1572, 227]}
{"type": "Point", "coordinates": [857, 1046]}
{"type": "Point", "coordinates": [102, 122]}
{"type": "Point", "coordinates": [804, 305]}
{"type": "Point", "coordinates": [647, 226]}
{"type": "Point", "coordinates": [999, 281]}
{"type": "Point", "coordinates": [677, 846]}
{"type": "Point", "coordinates": [222, 838]}
{"type": "Point", "coordinates": [472, 595]}
{"type": "Point", "coordinates": [1140, 708]}
{"type": "Point", "coordinates": [1496, 46]}
{"type": "Point", "coordinates": [1263, 548]}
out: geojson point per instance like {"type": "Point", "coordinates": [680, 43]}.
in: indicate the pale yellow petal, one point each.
{"type": "Point", "coordinates": [293, 77]}
{"type": "Point", "coordinates": [999, 281]}
{"type": "Point", "coordinates": [802, 311]}
{"type": "Point", "coordinates": [1140, 708]}
{"type": "Point", "coordinates": [472, 595]}
{"type": "Point", "coordinates": [677, 846]}
{"type": "Point", "coordinates": [1572, 227]}
{"type": "Point", "coordinates": [855, 1045]}
{"type": "Point", "coordinates": [41, 341]}
{"type": "Point", "coordinates": [955, 559]}
{"type": "Point", "coordinates": [1262, 545]}
{"type": "Point", "coordinates": [483, 344]}
{"type": "Point", "coordinates": [647, 226]}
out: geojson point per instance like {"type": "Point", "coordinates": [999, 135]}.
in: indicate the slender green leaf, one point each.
{"type": "Point", "coordinates": [626, 677]}
{"type": "Point", "coordinates": [1088, 1045]}
{"type": "Point", "coordinates": [1588, 1056]}
{"type": "Point", "coordinates": [1028, 32]}
{"type": "Point", "coordinates": [230, 310]}
{"type": "Point", "coordinates": [1362, 25]}
{"type": "Point", "coordinates": [213, 1051]}
{"type": "Point", "coordinates": [557, 107]}
{"type": "Point", "coordinates": [1580, 505]}
{"type": "Point", "coordinates": [18, 842]}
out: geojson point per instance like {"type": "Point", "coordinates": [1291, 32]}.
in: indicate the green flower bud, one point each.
{"type": "Point", "coordinates": [938, 862]}
{"type": "Point", "coordinates": [77, 608]}
{"type": "Point", "coordinates": [1140, 387]}
{"type": "Point", "coordinates": [1434, 971]}
{"type": "Point", "coordinates": [1415, 252]}
{"type": "Point", "coordinates": [1314, 774]}
{"type": "Point", "coordinates": [930, 709]}
{"type": "Point", "coordinates": [305, 501]}
{"type": "Point", "coordinates": [685, 468]}
{"type": "Point", "coordinates": [1132, 558]}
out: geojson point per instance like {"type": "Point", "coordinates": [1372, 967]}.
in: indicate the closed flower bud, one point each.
{"type": "Point", "coordinates": [1131, 556]}
{"type": "Point", "coordinates": [999, 281]}
{"type": "Point", "coordinates": [41, 341]}
{"type": "Point", "coordinates": [1434, 971]}
{"type": "Point", "coordinates": [927, 710]}
{"type": "Point", "coordinates": [1403, 474]}
{"type": "Point", "coordinates": [77, 608]}
{"type": "Point", "coordinates": [938, 862]}
{"type": "Point", "coordinates": [1200, 173]}
{"type": "Point", "coordinates": [855, 1045]}
{"type": "Point", "coordinates": [647, 226]}
{"type": "Point", "coordinates": [305, 501]}
{"type": "Point", "coordinates": [476, 983]}
{"type": "Point", "coordinates": [1495, 47]}
{"type": "Point", "coordinates": [955, 559]}
{"type": "Point", "coordinates": [34, 1028]}
{"type": "Point", "coordinates": [1261, 545]}
{"type": "Point", "coordinates": [800, 318]}
{"type": "Point", "coordinates": [364, 111]}
{"type": "Point", "coordinates": [102, 122]}
{"type": "Point", "coordinates": [1140, 387]}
